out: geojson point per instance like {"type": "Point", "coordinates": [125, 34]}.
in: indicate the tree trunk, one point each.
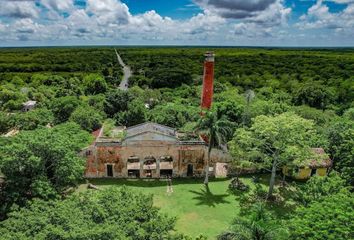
{"type": "Point", "coordinates": [272, 179]}
{"type": "Point", "coordinates": [206, 179]}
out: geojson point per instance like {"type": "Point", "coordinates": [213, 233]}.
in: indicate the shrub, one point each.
{"type": "Point", "coordinates": [237, 185]}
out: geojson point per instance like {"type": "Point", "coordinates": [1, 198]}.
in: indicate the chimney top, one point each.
{"type": "Point", "coordinates": [209, 56]}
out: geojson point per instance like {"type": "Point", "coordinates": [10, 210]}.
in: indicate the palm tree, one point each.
{"type": "Point", "coordinates": [216, 129]}
{"type": "Point", "coordinates": [259, 225]}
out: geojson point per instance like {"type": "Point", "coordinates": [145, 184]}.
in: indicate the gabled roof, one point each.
{"type": "Point", "coordinates": [320, 159]}
{"type": "Point", "coordinates": [323, 161]}
{"type": "Point", "coordinates": [150, 131]}
{"type": "Point", "coordinates": [151, 127]}
{"type": "Point", "coordinates": [150, 136]}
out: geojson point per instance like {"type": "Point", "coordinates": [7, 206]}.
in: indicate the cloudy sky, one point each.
{"type": "Point", "coordinates": [177, 22]}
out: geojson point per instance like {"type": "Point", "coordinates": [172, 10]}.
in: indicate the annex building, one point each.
{"type": "Point", "coordinates": [150, 150]}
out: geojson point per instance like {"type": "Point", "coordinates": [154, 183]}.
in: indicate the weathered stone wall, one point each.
{"type": "Point", "coordinates": [117, 155]}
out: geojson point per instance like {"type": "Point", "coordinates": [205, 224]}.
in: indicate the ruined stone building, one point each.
{"type": "Point", "coordinates": [150, 150]}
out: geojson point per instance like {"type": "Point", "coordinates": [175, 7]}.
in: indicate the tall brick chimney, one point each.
{"type": "Point", "coordinates": [208, 81]}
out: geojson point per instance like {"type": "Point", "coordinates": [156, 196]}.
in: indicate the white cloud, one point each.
{"type": "Point", "coordinates": [2, 27]}
{"type": "Point", "coordinates": [111, 19]}
{"type": "Point", "coordinates": [25, 25]}
{"type": "Point", "coordinates": [267, 23]}
{"type": "Point", "coordinates": [259, 18]}
{"type": "Point", "coordinates": [204, 23]}
{"type": "Point", "coordinates": [109, 11]}
{"type": "Point", "coordinates": [220, 22]}
{"type": "Point", "coordinates": [58, 5]}
{"type": "Point", "coordinates": [80, 24]}
{"type": "Point", "coordinates": [19, 9]}
{"type": "Point", "coordinates": [276, 14]}
{"type": "Point", "coordinates": [319, 17]}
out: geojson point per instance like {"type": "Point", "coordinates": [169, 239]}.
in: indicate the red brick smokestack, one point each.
{"type": "Point", "coordinates": [208, 81]}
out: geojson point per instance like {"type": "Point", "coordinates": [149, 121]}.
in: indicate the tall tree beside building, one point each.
{"type": "Point", "coordinates": [273, 142]}
{"type": "Point", "coordinates": [41, 164]}
{"type": "Point", "coordinates": [216, 129]}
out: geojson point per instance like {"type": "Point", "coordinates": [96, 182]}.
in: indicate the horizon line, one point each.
{"type": "Point", "coordinates": [177, 45]}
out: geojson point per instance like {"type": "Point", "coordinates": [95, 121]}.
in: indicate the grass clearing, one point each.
{"type": "Point", "coordinates": [198, 210]}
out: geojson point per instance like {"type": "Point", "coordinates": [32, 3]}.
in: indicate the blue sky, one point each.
{"type": "Point", "coordinates": [177, 22]}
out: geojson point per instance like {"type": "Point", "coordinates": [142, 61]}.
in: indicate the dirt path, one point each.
{"type": "Point", "coordinates": [126, 71]}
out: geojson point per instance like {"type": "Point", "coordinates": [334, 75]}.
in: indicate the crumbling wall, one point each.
{"type": "Point", "coordinates": [218, 155]}
{"type": "Point", "coordinates": [182, 156]}
{"type": "Point", "coordinates": [108, 155]}
{"type": "Point", "coordinates": [194, 155]}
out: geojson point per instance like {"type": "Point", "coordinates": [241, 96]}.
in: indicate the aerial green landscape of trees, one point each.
{"type": "Point", "coordinates": [271, 107]}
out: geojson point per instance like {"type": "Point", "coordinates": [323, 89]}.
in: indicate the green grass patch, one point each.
{"type": "Point", "coordinates": [198, 210]}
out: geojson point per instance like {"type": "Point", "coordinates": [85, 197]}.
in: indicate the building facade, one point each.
{"type": "Point", "coordinates": [151, 150]}
{"type": "Point", "coordinates": [318, 167]}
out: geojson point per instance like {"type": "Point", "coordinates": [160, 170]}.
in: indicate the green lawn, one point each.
{"type": "Point", "coordinates": [198, 210]}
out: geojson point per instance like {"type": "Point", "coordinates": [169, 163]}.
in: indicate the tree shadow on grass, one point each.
{"type": "Point", "coordinates": [206, 197]}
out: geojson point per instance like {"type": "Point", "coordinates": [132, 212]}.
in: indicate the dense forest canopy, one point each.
{"type": "Point", "coordinates": [76, 92]}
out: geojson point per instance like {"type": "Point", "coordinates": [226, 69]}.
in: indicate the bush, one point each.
{"type": "Point", "coordinates": [237, 185]}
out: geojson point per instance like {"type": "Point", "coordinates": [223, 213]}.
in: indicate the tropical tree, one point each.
{"type": "Point", "coordinates": [113, 213]}
{"type": "Point", "coordinates": [174, 114]}
{"type": "Point", "coordinates": [330, 217]}
{"type": "Point", "coordinates": [216, 129]}
{"type": "Point", "coordinates": [117, 101]}
{"type": "Point", "coordinates": [341, 147]}
{"type": "Point", "coordinates": [95, 84]}
{"type": "Point", "coordinates": [32, 119]}
{"type": "Point", "coordinates": [136, 114]}
{"type": "Point", "coordinates": [41, 164]}
{"type": "Point", "coordinates": [63, 107]}
{"type": "Point", "coordinates": [315, 94]}
{"type": "Point", "coordinates": [274, 142]}
{"type": "Point", "coordinates": [87, 117]}
{"type": "Point", "coordinates": [260, 225]}
{"type": "Point", "coordinates": [320, 187]}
